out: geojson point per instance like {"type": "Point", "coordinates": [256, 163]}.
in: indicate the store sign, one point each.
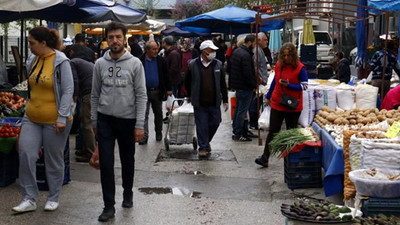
{"type": "Point", "coordinates": [393, 130]}
{"type": "Point", "coordinates": [262, 8]}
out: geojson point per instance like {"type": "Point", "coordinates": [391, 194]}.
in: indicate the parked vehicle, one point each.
{"type": "Point", "coordinates": [325, 51]}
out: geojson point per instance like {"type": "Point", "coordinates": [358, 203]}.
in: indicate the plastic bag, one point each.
{"type": "Point", "coordinates": [262, 89]}
{"type": "Point", "coordinates": [186, 107]}
{"type": "Point", "coordinates": [366, 96]}
{"type": "Point", "coordinates": [169, 103]}
{"type": "Point", "coordinates": [369, 78]}
{"type": "Point", "coordinates": [94, 160]}
{"type": "Point", "coordinates": [263, 121]}
{"type": "Point", "coordinates": [308, 112]}
{"type": "Point", "coordinates": [380, 154]}
{"type": "Point", "coordinates": [375, 188]}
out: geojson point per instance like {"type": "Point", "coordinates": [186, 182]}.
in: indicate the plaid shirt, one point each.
{"type": "Point", "coordinates": [376, 65]}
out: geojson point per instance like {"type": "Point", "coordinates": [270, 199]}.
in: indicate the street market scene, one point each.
{"type": "Point", "coordinates": [200, 112]}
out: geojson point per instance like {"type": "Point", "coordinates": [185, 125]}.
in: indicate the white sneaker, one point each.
{"type": "Point", "coordinates": [26, 205]}
{"type": "Point", "coordinates": [51, 206]}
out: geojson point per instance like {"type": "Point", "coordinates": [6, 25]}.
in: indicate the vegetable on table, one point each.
{"type": "Point", "coordinates": [285, 140]}
{"type": "Point", "coordinates": [323, 211]}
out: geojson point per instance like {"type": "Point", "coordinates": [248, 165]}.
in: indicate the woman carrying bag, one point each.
{"type": "Point", "coordinates": [285, 95]}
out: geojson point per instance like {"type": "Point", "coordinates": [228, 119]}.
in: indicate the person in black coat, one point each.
{"type": "Point", "coordinates": [84, 52]}
{"type": "Point", "coordinates": [221, 51]}
{"type": "Point", "coordinates": [82, 71]}
{"type": "Point", "coordinates": [243, 80]}
{"type": "Point", "coordinates": [343, 72]}
{"type": "Point", "coordinates": [158, 87]}
{"type": "Point", "coordinates": [136, 50]}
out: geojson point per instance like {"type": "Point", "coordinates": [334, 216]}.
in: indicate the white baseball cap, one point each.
{"type": "Point", "coordinates": [207, 44]}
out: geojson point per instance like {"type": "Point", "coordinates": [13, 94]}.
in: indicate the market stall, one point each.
{"type": "Point", "coordinates": [333, 164]}
{"type": "Point", "coordinates": [359, 154]}
{"type": "Point", "coordinates": [11, 111]}
{"type": "Point", "coordinates": [355, 135]}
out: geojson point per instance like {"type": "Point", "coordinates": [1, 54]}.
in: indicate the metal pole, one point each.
{"type": "Point", "coordinates": [21, 69]}
{"type": "Point", "coordinates": [385, 54]}
{"type": "Point", "coordinates": [258, 23]}
{"type": "Point", "coordinates": [366, 44]}
{"type": "Point", "coordinates": [339, 37]}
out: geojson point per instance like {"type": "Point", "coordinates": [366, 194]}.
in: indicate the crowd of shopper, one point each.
{"type": "Point", "coordinates": [117, 82]}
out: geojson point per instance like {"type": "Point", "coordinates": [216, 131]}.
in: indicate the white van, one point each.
{"type": "Point", "coordinates": [325, 51]}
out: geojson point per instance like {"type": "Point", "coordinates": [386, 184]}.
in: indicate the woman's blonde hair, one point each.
{"type": "Point", "coordinates": [240, 42]}
{"type": "Point", "coordinates": [294, 58]}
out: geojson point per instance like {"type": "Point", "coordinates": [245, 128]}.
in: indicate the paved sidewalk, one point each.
{"type": "Point", "coordinates": [227, 189]}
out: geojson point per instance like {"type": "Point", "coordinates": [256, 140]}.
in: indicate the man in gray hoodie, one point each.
{"type": "Point", "coordinates": [118, 104]}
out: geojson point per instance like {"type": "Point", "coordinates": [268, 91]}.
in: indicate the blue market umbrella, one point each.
{"type": "Point", "coordinates": [229, 20]}
{"type": "Point", "coordinates": [178, 32]}
{"type": "Point", "coordinates": [75, 11]}
{"type": "Point", "coordinates": [388, 5]}
{"type": "Point", "coordinates": [83, 11]}
{"type": "Point", "coordinates": [360, 33]}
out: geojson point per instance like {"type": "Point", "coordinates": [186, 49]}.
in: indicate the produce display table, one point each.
{"type": "Point", "coordinates": [317, 129]}
{"type": "Point", "coordinates": [332, 162]}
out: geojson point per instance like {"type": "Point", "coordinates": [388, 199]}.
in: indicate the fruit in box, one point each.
{"type": "Point", "coordinates": [9, 131]}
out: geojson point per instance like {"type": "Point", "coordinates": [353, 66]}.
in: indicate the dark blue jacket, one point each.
{"type": "Point", "coordinates": [163, 81]}
{"type": "Point", "coordinates": [376, 65]}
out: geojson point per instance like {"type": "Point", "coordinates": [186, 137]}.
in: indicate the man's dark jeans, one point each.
{"type": "Point", "coordinates": [243, 100]}
{"type": "Point", "coordinates": [207, 119]}
{"type": "Point", "coordinates": [153, 99]}
{"type": "Point", "coordinates": [109, 129]}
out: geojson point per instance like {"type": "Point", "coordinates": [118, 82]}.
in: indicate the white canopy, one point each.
{"type": "Point", "coordinates": [149, 24]}
{"type": "Point", "coordinates": [27, 5]}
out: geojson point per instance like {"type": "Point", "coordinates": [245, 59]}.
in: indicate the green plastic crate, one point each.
{"type": "Point", "coordinates": [7, 144]}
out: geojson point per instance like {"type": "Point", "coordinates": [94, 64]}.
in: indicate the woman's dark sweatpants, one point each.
{"type": "Point", "coordinates": [275, 123]}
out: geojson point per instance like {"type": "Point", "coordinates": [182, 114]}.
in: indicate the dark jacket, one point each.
{"type": "Point", "coordinates": [83, 73]}
{"type": "Point", "coordinates": [242, 75]}
{"type": "Point", "coordinates": [221, 51]}
{"type": "Point", "coordinates": [136, 50]}
{"type": "Point", "coordinates": [195, 53]}
{"type": "Point", "coordinates": [86, 54]}
{"type": "Point", "coordinates": [174, 65]}
{"type": "Point", "coordinates": [193, 82]}
{"type": "Point", "coordinates": [163, 81]}
{"type": "Point", "coordinates": [343, 71]}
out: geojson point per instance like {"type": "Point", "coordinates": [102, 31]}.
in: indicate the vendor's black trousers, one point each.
{"type": "Point", "coordinates": [275, 123]}
{"type": "Point", "coordinates": [109, 129]}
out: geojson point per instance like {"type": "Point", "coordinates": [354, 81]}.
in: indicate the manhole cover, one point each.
{"type": "Point", "coordinates": [180, 191]}
{"type": "Point", "coordinates": [191, 155]}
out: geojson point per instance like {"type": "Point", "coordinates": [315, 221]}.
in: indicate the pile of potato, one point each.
{"type": "Point", "coordinates": [360, 117]}
{"type": "Point", "coordinates": [371, 135]}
